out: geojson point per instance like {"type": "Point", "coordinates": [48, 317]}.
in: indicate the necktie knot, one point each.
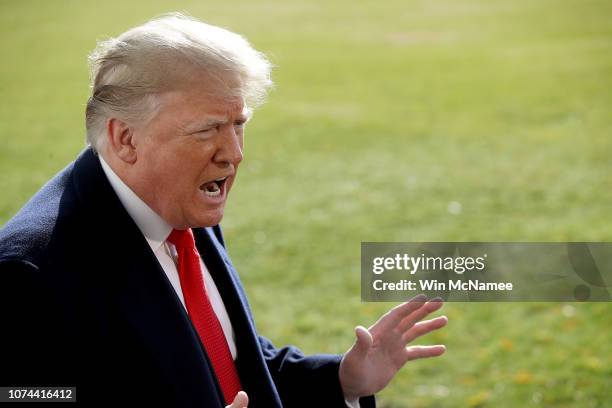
{"type": "Point", "coordinates": [182, 239]}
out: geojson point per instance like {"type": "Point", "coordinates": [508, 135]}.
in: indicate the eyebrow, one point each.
{"type": "Point", "coordinates": [214, 121]}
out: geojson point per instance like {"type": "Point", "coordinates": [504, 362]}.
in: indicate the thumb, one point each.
{"type": "Point", "coordinates": [363, 342]}
{"type": "Point", "coordinates": [240, 401]}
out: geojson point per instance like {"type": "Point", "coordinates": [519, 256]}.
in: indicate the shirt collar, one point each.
{"type": "Point", "coordinates": [151, 225]}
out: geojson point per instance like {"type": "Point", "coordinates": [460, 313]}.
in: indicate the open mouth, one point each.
{"type": "Point", "coordinates": [213, 188]}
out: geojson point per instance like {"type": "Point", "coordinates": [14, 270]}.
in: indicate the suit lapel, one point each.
{"type": "Point", "coordinates": [154, 311]}
{"type": "Point", "coordinates": [252, 367]}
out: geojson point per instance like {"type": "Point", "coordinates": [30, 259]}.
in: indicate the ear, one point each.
{"type": "Point", "coordinates": [120, 137]}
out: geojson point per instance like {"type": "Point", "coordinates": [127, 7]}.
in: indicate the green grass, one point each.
{"type": "Point", "coordinates": [383, 114]}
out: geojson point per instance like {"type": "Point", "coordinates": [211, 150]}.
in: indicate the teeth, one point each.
{"type": "Point", "coordinates": [212, 189]}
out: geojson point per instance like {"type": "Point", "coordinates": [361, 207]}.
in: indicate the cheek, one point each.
{"type": "Point", "coordinates": [181, 168]}
{"type": "Point", "coordinates": [178, 162]}
{"type": "Point", "coordinates": [167, 176]}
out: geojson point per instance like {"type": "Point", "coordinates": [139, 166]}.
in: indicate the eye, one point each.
{"type": "Point", "coordinates": [206, 131]}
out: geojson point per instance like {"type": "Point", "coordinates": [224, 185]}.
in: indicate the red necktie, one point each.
{"type": "Point", "coordinates": [202, 314]}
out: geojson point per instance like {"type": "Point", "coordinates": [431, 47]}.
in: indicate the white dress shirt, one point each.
{"type": "Point", "coordinates": [156, 232]}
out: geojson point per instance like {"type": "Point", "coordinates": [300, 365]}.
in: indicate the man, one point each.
{"type": "Point", "coordinates": [115, 278]}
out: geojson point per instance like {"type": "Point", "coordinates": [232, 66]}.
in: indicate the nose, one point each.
{"type": "Point", "coordinates": [230, 147]}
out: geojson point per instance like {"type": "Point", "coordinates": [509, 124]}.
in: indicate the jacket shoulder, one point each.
{"type": "Point", "coordinates": [26, 236]}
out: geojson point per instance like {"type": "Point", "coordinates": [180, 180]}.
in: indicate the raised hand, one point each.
{"type": "Point", "coordinates": [380, 351]}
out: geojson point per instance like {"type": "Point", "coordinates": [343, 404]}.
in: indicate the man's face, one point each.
{"type": "Point", "coordinates": [188, 155]}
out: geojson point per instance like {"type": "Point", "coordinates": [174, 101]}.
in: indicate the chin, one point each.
{"type": "Point", "coordinates": [209, 219]}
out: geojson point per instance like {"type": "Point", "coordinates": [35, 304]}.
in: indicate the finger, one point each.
{"type": "Point", "coordinates": [363, 342]}
{"type": "Point", "coordinates": [395, 315]}
{"type": "Point", "coordinates": [424, 327]}
{"type": "Point", "coordinates": [240, 401]}
{"type": "Point", "coordinates": [416, 352]}
{"type": "Point", "coordinates": [410, 320]}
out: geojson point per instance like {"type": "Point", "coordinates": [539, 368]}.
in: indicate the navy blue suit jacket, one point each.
{"type": "Point", "coordinates": [85, 303]}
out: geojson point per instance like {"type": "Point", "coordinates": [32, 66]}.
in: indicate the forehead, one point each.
{"type": "Point", "coordinates": [205, 94]}
{"type": "Point", "coordinates": [199, 101]}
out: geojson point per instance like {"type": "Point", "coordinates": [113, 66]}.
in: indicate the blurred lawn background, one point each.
{"type": "Point", "coordinates": [482, 120]}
